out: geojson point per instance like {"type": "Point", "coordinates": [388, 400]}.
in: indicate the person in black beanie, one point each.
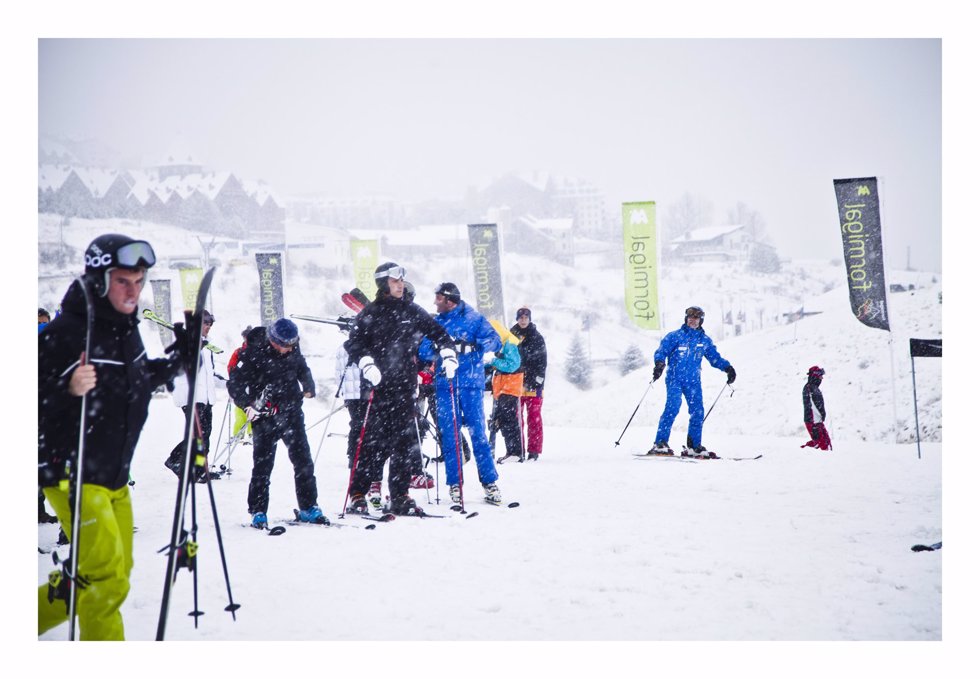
{"type": "Point", "coordinates": [534, 361]}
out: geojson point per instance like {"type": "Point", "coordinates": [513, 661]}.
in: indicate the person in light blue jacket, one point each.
{"type": "Point", "coordinates": [682, 350]}
{"type": "Point", "coordinates": [476, 343]}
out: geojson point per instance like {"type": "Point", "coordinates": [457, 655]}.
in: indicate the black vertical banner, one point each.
{"type": "Point", "coordinates": [485, 253]}
{"type": "Point", "coordinates": [270, 286]}
{"type": "Point", "coordinates": [860, 223]}
{"type": "Point", "coordinates": [161, 307]}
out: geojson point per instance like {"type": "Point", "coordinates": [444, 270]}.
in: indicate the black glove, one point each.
{"type": "Point", "coordinates": [658, 370]}
{"type": "Point", "coordinates": [731, 374]}
{"type": "Point", "coordinates": [184, 345]}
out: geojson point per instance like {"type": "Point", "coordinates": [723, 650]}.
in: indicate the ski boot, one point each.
{"type": "Point", "coordinates": [403, 505]}
{"type": "Point", "coordinates": [533, 457]}
{"type": "Point", "coordinates": [260, 521]}
{"type": "Point", "coordinates": [510, 456]}
{"type": "Point", "coordinates": [374, 495]}
{"type": "Point", "coordinates": [312, 515]}
{"type": "Point", "coordinates": [422, 481]}
{"type": "Point", "coordinates": [358, 505]}
{"type": "Point", "coordinates": [661, 448]}
{"type": "Point", "coordinates": [491, 493]}
{"type": "Point", "coordinates": [699, 452]}
{"type": "Point", "coordinates": [455, 494]}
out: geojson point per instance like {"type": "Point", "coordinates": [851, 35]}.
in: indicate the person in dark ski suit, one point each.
{"type": "Point", "coordinates": [205, 396]}
{"type": "Point", "coordinates": [269, 384]}
{"type": "Point", "coordinates": [118, 381]}
{"type": "Point", "coordinates": [383, 343]}
{"type": "Point", "coordinates": [814, 413]}
{"type": "Point", "coordinates": [507, 385]}
{"type": "Point", "coordinates": [476, 343]}
{"type": "Point", "coordinates": [683, 350]}
{"type": "Point", "coordinates": [534, 362]}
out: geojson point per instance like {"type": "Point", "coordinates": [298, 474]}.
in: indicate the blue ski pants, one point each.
{"type": "Point", "coordinates": [691, 390]}
{"type": "Point", "coordinates": [468, 413]}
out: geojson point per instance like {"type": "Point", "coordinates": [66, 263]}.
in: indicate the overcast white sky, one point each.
{"type": "Point", "coordinates": [767, 122]}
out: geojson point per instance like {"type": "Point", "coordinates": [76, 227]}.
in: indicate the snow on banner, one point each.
{"type": "Point", "coordinates": [640, 252]}
{"type": "Point", "coordinates": [860, 222]}
{"type": "Point", "coordinates": [270, 286]}
{"type": "Point", "coordinates": [161, 307]}
{"type": "Point", "coordinates": [364, 255]}
{"type": "Point", "coordinates": [485, 252]}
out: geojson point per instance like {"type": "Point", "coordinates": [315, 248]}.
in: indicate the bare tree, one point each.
{"type": "Point", "coordinates": [751, 219]}
{"type": "Point", "coordinates": [688, 213]}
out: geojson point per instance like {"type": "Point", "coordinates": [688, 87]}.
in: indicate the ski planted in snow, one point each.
{"type": "Point", "coordinates": [182, 550]}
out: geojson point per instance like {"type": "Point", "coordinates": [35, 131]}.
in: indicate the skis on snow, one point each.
{"type": "Point", "coordinates": [688, 458]}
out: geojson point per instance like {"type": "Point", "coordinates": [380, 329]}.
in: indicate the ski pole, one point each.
{"type": "Point", "coordinates": [635, 411]}
{"type": "Point", "coordinates": [76, 471]}
{"type": "Point", "coordinates": [357, 454]}
{"type": "Point", "coordinates": [459, 459]}
{"type": "Point", "coordinates": [418, 436]}
{"type": "Point", "coordinates": [520, 418]}
{"type": "Point", "coordinates": [716, 400]}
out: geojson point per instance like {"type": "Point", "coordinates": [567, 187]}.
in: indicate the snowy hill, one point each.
{"type": "Point", "coordinates": [797, 545]}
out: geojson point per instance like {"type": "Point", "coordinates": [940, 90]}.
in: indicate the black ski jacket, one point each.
{"type": "Point", "coordinates": [279, 379]}
{"type": "Point", "coordinates": [389, 330]}
{"type": "Point", "coordinates": [117, 405]}
{"type": "Point", "coordinates": [813, 408]}
{"type": "Point", "coordinates": [534, 355]}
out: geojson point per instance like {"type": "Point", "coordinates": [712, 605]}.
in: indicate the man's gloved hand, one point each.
{"type": "Point", "coordinates": [449, 362]}
{"type": "Point", "coordinates": [370, 371]}
{"type": "Point", "coordinates": [539, 381]}
{"type": "Point", "coordinates": [658, 370]}
{"type": "Point", "coordinates": [730, 371]}
{"type": "Point", "coordinates": [489, 357]}
{"type": "Point", "coordinates": [252, 413]}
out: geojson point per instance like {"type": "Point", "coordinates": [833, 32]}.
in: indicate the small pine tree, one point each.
{"type": "Point", "coordinates": [578, 370]}
{"type": "Point", "coordinates": [631, 359]}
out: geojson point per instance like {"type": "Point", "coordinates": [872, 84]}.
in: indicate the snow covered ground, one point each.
{"type": "Point", "coordinates": [799, 545]}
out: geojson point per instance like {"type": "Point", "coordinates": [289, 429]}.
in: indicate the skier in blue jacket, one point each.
{"type": "Point", "coordinates": [683, 350]}
{"type": "Point", "coordinates": [476, 342]}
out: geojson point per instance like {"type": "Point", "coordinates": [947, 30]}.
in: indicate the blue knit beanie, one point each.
{"type": "Point", "coordinates": [284, 332]}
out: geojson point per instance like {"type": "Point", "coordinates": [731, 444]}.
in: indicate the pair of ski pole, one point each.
{"type": "Point", "coordinates": [650, 385]}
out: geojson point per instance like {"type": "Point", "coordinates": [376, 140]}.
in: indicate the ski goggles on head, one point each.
{"type": "Point", "coordinates": [396, 272]}
{"type": "Point", "coordinates": [694, 312]}
{"type": "Point", "coordinates": [135, 254]}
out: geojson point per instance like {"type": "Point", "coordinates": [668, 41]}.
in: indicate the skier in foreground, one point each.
{"type": "Point", "coordinates": [683, 350]}
{"type": "Point", "coordinates": [814, 413]}
{"type": "Point", "coordinates": [459, 401]}
{"type": "Point", "coordinates": [119, 380]}
{"type": "Point", "coordinates": [269, 384]}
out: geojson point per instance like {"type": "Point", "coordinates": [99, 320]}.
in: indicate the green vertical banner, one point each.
{"type": "Point", "coordinates": [161, 307]}
{"type": "Point", "coordinates": [190, 282]}
{"type": "Point", "coordinates": [860, 226]}
{"type": "Point", "coordinates": [270, 287]}
{"type": "Point", "coordinates": [485, 253]}
{"type": "Point", "coordinates": [364, 255]}
{"type": "Point", "coordinates": [640, 264]}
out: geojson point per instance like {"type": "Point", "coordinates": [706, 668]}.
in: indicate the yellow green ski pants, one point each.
{"type": "Point", "coordinates": [105, 558]}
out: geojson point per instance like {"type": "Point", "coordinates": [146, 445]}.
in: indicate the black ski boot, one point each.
{"type": "Point", "coordinates": [358, 505]}
{"type": "Point", "coordinates": [403, 505]}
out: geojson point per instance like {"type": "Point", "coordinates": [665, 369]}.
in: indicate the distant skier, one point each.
{"type": "Point", "coordinates": [534, 363]}
{"type": "Point", "coordinates": [383, 343]}
{"type": "Point", "coordinates": [43, 318]}
{"type": "Point", "coordinates": [814, 412]}
{"type": "Point", "coordinates": [683, 350]}
{"type": "Point", "coordinates": [205, 396]}
{"type": "Point", "coordinates": [119, 380]}
{"type": "Point", "coordinates": [269, 384]}
{"type": "Point", "coordinates": [507, 385]}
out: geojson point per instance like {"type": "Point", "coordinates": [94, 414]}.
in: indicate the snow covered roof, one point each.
{"type": "Point", "coordinates": [707, 233]}
{"type": "Point", "coordinates": [259, 191]}
{"type": "Point", "coordinates": [51, 177]}
{"type": "Point", "coordinates": [551, 225]}
{"type": "Point", "coordinates": [97, 180]}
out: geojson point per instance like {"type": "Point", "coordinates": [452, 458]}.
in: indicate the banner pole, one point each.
{"type": "Point", "coordinates": [915, 405]}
